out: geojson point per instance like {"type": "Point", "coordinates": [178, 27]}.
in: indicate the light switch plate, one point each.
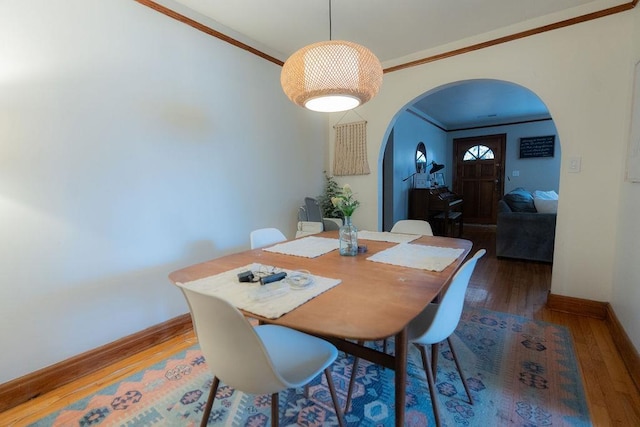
{"type": "Point", "coordinates": [575, 163]}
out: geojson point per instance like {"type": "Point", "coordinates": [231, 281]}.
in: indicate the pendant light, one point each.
{"type": "Point", "coordinates": [331, 76]}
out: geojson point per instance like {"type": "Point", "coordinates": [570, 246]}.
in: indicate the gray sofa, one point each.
{"type": "Point", "coordinates": [522, 232]}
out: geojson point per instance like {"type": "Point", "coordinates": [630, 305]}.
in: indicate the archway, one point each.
{"type": "Point", "coordinates": [466, 109]}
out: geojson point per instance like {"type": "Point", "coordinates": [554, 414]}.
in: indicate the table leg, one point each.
{"type": "Point", "coordinates": [401, 375]}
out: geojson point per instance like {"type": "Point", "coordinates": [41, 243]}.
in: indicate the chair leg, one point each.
{"type": "Point", "coordinates": [275, 410]}
{"type": "Point", "coordinates": [464, 382]}
{"type": "Point", "coordinates": [432, 387]}
{"type": "Point", "coordinates": [209, 405]}
{"type": "Point", "coordinates": [334, 397]}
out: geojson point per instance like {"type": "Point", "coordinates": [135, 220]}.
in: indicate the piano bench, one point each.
{"type": "Point", "coordinates": [454, 218]}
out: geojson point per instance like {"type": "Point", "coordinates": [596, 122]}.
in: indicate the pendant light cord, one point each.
{"type": "Point", "coordinates": [330, 20]}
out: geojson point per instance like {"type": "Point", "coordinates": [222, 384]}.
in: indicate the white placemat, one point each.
{"type": "Point", "coordinates": [270, 301]}
{"type": "Point", "coordinates": [433, 258]}
{"type": "Point", "coordinates": [308, 247]}
{"type": "Point", "coordinates": [385, 236]}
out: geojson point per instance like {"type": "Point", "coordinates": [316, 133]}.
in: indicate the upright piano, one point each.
{"type": "Point", "coordinates": [439, 206]}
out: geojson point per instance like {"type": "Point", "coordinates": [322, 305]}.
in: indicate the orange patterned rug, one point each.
{"type": "Point", "coordinates": [521, 372]}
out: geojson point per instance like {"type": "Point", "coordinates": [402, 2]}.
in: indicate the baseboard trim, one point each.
{"type": "Point", "coordinates": [27, 387]}
{"type": "Point", "coordinates": [603, 311]}
{"type": "Point", "coordinates": [22, 389]}
{"type": "Point", "coordinates": [627, 350]}
{"type": "Point", "coordinates": [577, 306]}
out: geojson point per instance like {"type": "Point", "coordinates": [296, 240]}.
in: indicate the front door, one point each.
{"type": "Point", "coordinates": [477, 177]}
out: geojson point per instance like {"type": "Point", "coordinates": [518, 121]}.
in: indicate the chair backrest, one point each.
{"type": "Point", "coordinates": [449, 309]}
{"type": "Point", "coordinates": [314, 213]}
{"type": "Point", "coordinates": [265, 237]}
{"type": "Point", "coordinates": [412, 226]}
{"type": "Point", "coordinates": [331, 224]}
{"type": "Point", "coordinates": [302, 214]}
{"type": "Point", "coordinates": [232, 349]}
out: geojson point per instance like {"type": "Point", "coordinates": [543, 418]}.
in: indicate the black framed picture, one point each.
{"type": "Point", "coordinates": [537, 146]}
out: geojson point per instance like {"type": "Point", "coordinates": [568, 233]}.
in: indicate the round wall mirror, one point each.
{"type": "Point", "coordinates": [421, 158]}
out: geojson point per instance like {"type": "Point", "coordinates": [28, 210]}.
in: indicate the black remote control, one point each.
{"type": "Point", "coordinates": [272, 278]}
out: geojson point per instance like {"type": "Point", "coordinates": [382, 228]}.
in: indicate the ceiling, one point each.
{"type": "Point", "coordinates": [479, 103]}
{"type": "Point", "coordinates": [398, 32]}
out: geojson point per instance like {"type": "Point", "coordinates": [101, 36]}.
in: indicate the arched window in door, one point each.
{"type": "Point", "coordinates": [478, 152]}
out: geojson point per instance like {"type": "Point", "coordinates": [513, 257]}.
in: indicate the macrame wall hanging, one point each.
{"type": "Point", "coordinates": [351, 149]}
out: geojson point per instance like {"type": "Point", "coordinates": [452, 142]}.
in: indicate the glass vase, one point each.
{"type": "Point", "coordinates": [348, 238]}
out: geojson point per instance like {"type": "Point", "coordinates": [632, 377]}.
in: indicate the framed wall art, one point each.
{"type": "Point", "coordinates": [537, 146]}
{"type": "Point", "coordinates": [633, 155]}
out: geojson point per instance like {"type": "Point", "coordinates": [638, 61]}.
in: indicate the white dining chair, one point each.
{"type": "Point", "coordinates": [266, 236]}
{"type": "Point", "coordinates": [435, 324]}
{"type": "Point", "coordinates": [412, 226]}
{"type": "Point", "coordinates": [264, 359]}
{"type": "Point", "coordinates": [438, 321]}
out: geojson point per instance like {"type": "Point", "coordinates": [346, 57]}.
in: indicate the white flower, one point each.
{"type": "Point", "coordinates": [345, 202]}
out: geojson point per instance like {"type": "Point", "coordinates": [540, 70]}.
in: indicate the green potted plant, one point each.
{"type": "Point", "coordinates": [331, 191]}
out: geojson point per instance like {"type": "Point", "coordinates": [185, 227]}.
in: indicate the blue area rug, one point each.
{"type": "Point", "coordinates": [521, 372]}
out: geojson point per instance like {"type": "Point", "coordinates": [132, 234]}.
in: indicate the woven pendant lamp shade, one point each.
{"type": "Point", "coordinates": [331, 76]}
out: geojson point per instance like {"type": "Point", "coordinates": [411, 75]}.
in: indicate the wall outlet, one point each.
{"type": "Point", "coordinates": [515, 173]}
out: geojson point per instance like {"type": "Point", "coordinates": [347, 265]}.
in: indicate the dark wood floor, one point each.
{"type": "Point", "coordinates": [511, 286]}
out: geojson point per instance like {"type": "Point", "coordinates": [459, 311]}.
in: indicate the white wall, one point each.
{"type": "Point", "coordinates": [409, 130]}
{"type": "Point", "coordinates": [626, 284]}
{"type": "Point", "coordinates": [583, 74]}
{"type": "Point", "coordinates": [131, 145]}
{"type": "Point", "coordinates": [541, 173]}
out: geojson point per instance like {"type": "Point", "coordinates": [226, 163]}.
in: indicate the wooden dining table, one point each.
{"type": "Point", "coordinates": [373, 301]}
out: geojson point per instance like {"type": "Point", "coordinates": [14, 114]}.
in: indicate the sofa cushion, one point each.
{"type": "Point", "coordinates": [520, 200]}
{"type": "Point", "coordinates": [546, 201]}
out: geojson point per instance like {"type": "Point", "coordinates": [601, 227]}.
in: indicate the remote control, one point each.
{"type": "Point", "coordinates": [272, 278]}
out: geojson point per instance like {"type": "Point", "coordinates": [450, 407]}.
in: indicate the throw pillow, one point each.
{"type": "Point", "coordinates": [520, 200]}
{"type": "Point", "coordinates": [546, 195]}
{"type": "Point", "coordinates": [546, 201]}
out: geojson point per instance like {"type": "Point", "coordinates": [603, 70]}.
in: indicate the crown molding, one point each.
{"type": "Point", "coordinates": [207, 30]}
{"type": "Point", "coordinates": [538, 30]}
{"type": "Point", "coordinates": [520, 35]}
